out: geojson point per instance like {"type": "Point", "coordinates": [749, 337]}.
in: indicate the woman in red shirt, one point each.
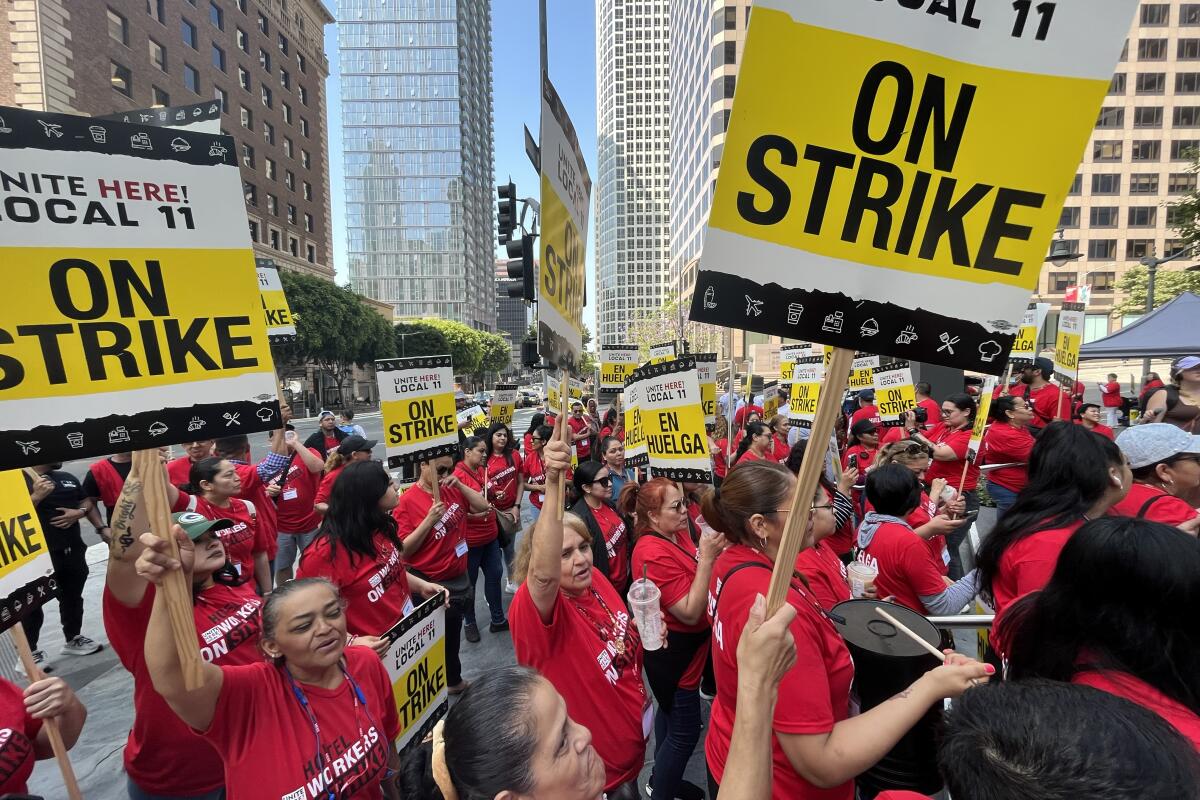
{"type": "Point", "coordinates": [534, 470]}
{"type": "Point", "coordinates": [934, 516]}
{"type": "Point", "coordinates": [317, 717]}
{"type": "Point", "coordinates": [1117, 616]}
{"type": "Point", "coordinates": [162, 757]}
{"type": "Point", "coordinates": [681, 569]}
{"type": "Point", "coordinates": [570, 624]}
{"type": "Point", "coordinates": [1074, 476]}
{"type": "Point", "coordinates": [505, 491]}
{"type": "Point", "coordinates": [1166, 469]}
{"type": "Point", "coordinates": [1007, 441]}
{"type": "Point", "coordinates": [947, 443]}
{"type": "Point", "coordinates": [23, 737]}
{"type": "Point", "coordinates": [535, 422]}
{"type": "Point", "coordinates": [1088, 416]}
{"type": "Point", "coordinates": [215, 486]}
{"type": "Point", "coordinates": [609, 529]}
{"type": "Point", "coordinates": [613, 425]}
{"type": "Point", "coordinates": [482, 548]}
{"type": "Point", "coordinates": [780, 449]}
{"type": "Point", "coordinates": [817, 743]}
{"type": "Point", "coordinates": [435, 545]}
{"type": "Point", "coordinates": [723, 451]}
{"type": "Point", "coordinates": [755, 445]}
{"type": "Point", "coordinates": [358, 551]}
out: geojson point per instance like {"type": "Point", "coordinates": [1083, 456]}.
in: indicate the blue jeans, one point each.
{"type": "Point", "coordinates": [487, 557]}
{"type": "Point", "coordinates": [1004, 498]}
{"type": "Point", "coordinates": [956, 537]}
{"type": "Point", "coordinates": [675, 738]}
{"type": "Point", "coordinates": [291, 545]}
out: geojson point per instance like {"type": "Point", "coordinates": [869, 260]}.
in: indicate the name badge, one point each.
{"type": "Point", "coordinates": [408, 607]}
{"type": "Point", "coordinates": [290, 494]}
{"type": "Point", "coordinates": [460, 549]}
{"type": "Point", "coordinates": [945, 555]}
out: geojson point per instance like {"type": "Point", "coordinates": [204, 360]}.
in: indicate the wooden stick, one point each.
{"type": "Point", "coordinates": [564, 403]}
{"type": "Point", "coordinates": [435, 488]}
{"type": "Point", "coordinates": [17, 632]}
{"type": "Point", "coordinates": [836, 378]}
{"type": "Point", "coordinates": [731, 419]}
{"type": "Point", "coordinates": [900, 626]}
{"type": "Point", "coordinates": [176, 591]}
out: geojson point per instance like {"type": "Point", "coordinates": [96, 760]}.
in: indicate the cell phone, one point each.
{"type": "Point", "coordinates": [853, 461]}
{"type": "Point", "coordinates": [970, 516]}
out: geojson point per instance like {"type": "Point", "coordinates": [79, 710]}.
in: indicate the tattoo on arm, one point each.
{"type": "Point", "coordinates": [902, 695]}
{"type": "Point", "coordinates": [122, 517]}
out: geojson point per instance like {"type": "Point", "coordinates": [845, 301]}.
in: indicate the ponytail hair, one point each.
{"type": "Point", "coordinates": [746, 491]}
{"type": "Point", "coordinates": [748, 434]}
{"type": "Point", "coordinates": [333, 461]}
{"type": "Point", "coordinates": [639, 502]}
{"type": "Point", "coordinates": [203, 471]}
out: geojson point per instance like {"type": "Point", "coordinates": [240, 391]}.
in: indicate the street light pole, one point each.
{"type": "Point", "coordinates": [1152, 263]}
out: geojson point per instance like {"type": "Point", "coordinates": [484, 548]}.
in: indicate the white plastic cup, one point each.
{"type": "Point", "coordinates": [643, 602]}
{"type": "Point", "coordinates": [861, 575]}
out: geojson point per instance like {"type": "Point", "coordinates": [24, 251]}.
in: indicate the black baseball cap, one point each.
{"type": "Point", "coordinates": [355, 444]}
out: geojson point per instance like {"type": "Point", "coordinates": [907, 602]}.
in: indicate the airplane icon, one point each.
{"type": "Point", "coordinates": [753, 306]}
{"type": "Point", "coordinates": [51, 129]}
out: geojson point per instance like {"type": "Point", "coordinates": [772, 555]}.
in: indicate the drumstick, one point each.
{"type": "Point", "coordinates": [900, 626]}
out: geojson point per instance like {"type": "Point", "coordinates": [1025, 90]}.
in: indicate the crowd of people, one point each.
{"type": "Point", "coordinates": [301, 561]}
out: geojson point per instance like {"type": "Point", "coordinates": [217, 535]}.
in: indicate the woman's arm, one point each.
{"type": "Point", "coordinates": [545, 561]}
{"type": "Point", "coordinates": [691, 608]}
{"type": "Point", "coordinates": [856, 744]}
{"type": "Point", "coordinates": [262, 572]}
{"type": "Point", "coordinates": [955, 596]}
{"type": "Point", "coordinates": [1156, 406]}
{"type": "Point", "coordinates": [52, 698]}
{"type": "Point", "coordinates": [196, 707]}
{"type": "Point", "coordinates": [412, 543]}
{"type": "Point", "coordinates": [475, 500]}
{"type": "Point", "coordinates": [313, 464]}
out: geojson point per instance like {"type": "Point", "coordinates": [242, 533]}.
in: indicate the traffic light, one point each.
{"type": "Point", "coordinates": [506, 215]}
{"type": "Point", "coordinates": [522, 269]}
{"type": "Point", "coordinates": [529, 353]}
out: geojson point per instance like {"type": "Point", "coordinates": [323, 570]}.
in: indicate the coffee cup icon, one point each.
{"type": "Point", "coordinates": [99, 135]}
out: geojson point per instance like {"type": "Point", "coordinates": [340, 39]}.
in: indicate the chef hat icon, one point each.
{"type": "Point", "coordinates": [989, 350]}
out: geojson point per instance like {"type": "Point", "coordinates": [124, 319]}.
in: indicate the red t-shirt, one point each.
{"type": "Point", "coordinates": [671, 566]}
{"type": "Point", "coordinates": [889, 435]}
{"type": "Point", "coordinates": [375, 589]}
{"type": "Point", "coordinates": [570, 652]}
{"type": "Point", "coordinates": [813, 696]}
{"type": "Point", "coordinates": [480, 528]}
{"type": "Point", "coordinates": [242, 540]}
{"type": "Point", "coordinates": [17, 739]}
{"type": "Point", "coordinates": [826, 574]}
{"type": "Point", "coordinates": [267, 741]}
{"type": "Point", "coordinates": [578, 425]}
{"type": "Point", "coordinates": [1122, 684]}
{"type": "Point", "coordinates": [443, 554]}
{"type": "Point", "coordinates": [616, 542]}
{"type": "Point", "coordinates": [327, 484]}
{"type": "Point", "coordinates": [1110, 397]}
{"type": "Point", "coordinates": [535, 475]}
{"type": "Point", "coordinates": [1048, 403]}
{"type": "Point", "coordinates": [162, 756]}
{"type": "Point", "coordinates": [920, 517]}
{"type": "Point", "coordinates": [179, 471]}
{"type": "Point", "coordinates": [749, 455]}
{"type": "Point", "coordinates": [1100, 429]}
{"type": "Point", "coordinates": [721, 458]}
{"type": "Point", "coordinates": [331, 443]}
{"type": "Point", "coordinates": [502, 480]}
{"type": "Point", "coordinates": [1166, 509]}
{"type": "Point", "coordinates": [907, 568]}
{"type": "Point", "coordinates": [866, 412]}
{"type": "Point", "coordinates": [780, 449]}
{"type": "Point", "coordinates": [1005, 444]}
{"type": "Point", "coordinates": [254, 490]}
{"type": "Point", "coordinates": [957, 440]}
{"type": "Point", "coordinates": [933, 412]}
{"type": "Point", "coordinates": [865, 457]}
{"type": "Point", "coordinates": [295, 503]}
{"type": "Point", "coordinates": [1027, 565]}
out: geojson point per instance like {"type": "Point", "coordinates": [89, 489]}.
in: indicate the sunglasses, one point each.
{"type": "Point", "coordinates": [678, 505]}
{"type": "Point", "coordinates": [605, 481]}
{"type": "Point", "coordinates": [536, 439]}
{"type": "Point", "coordinates": [444, 471]}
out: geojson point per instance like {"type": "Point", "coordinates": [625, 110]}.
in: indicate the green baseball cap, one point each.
{"type": "Point", "coordinates": [196, 525]}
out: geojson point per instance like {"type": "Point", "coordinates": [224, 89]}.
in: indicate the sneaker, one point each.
{"type": "Point", "coordinates": [39, 658]}
{"type": "Point", "coordinates": [498, 627]}
{"type": "Point", "coordinates": [80, 646]}
{"type": "Point", "coordinates": [510, 587]}
{"type": "Point", "coordinates": [472, 632]}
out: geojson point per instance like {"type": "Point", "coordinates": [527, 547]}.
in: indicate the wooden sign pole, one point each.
{"type": "Point", "coordinates": [435, 487]}
{"type": "Point", "coordinates": [731, 418]}
{"type": "Point", "coordinates": [52, 732]}
{"type": "Point", "coordinates": [176, 591]}
{"type": "Point", "coordinates": [837, 376]}
{"type": "Point", "coordinates": [564, 408]}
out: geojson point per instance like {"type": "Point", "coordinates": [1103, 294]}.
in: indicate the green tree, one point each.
{"type": "Point", "coordinates": [1168, 284]}
{"type": "Point", "coordinates": [463, 342]}
{"type": "Point", "coordinates": [419, 339]}
{"type": "Point", "coordinates": [669, 322]}
{"type": "Point", "coordinates": [495, 355]}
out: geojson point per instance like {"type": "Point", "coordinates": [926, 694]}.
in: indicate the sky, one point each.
{"type": "Point", "coordinates": [516, 99]}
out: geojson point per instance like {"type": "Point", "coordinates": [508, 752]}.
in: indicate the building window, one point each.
{"type": "Point", "coordinates": [157, 10]}
{"type": "Point", "coordinates": [118, 28]}
{"type": "Point", "coordinates": [301, 63]}
{"type": "Point", "coordinates": [264, 60]}
{"type": "Point", "coordinates": [304, 129]}
{"type": "Point", "coordinates": [253, 231]}
{"type": "Point", "coordinates": [243, 78]}
{"type": "Point", "coordinates": [307, 190]}
{"type": "Point", "coordinates": [1189, 49]}
{"type": "Point", "coordinates": [1136, 249]}
{"type": "Point", "coordinates": [1148, 150]}
{"type": "Point", "coordinates": [1152, 50]}
{"type": "Point", "coordinates": [1185, 149]}
{"type": "Point", "coordinates": [1117, 85]}
{"type": "Point", "coordinates": [1102, 281]}
{"type": "Point", "coordinates": [291, 214]}
{"type": "Point", "coordinates": [302, 93]}
{"type": "Point", "coordinates": [310, 253]}
{"type": "Point", "coordinates": [1155, 14]}
{"type": "Point", "coordinates": [1143, 183]}
{"type": "Point", "coordinates": [305, 159]}
{"type": "Point", "coordinates": [1143, 217]}
{"type": "Point", "coordinates": [287, 147]}
{"type": "Point", "coordinates": [308, 223]}
{"type": "Point", "coordinates": [189, 34]}
{"type": "Point", "coordinates": [1124, 52]}
{"type": "Point", "coordinates": [269, 132]}
{"type": "Point", "coordinates": [287, 113]}
{"type": "Point", "coordinates": [216, 16]}
{"type": "Point", "coordinates": [1186, 116]}
{"type": "Point", "coordinates": [269, 168]}
{"type": "Point", "coordinates": [1102, 249]}
{"type": "Point", "coordinates": [294, 246]}
{"type": "Point", "coordinates": [250, 191]}
{"type": "Point", "coordinates": [289, 179]}
{"type": "Point", "coordinates": [161, 97]}
{"type": "Point", "coordinates": [283, 44]}
{"type": "Point", "coordinates": [1106, 184]}
{"type": "Point", "coordinates": [1111, 118]}
{"type": "Point", "coordinates": [1181, 182]}
{"type": "Point", "coordinates": [1103, 217]}
{"type": "Point", "coordinates": [247, 156]}
{"type": "Point", "coordinates": [730, 18]}
{"type": "Point", "coordinates": [1069, 217]}
{"type": "Point", "coordinates": [273, 205]}
{"type": "Point", "coordinates": [121, 78]}
{"type": "Point", "coordinates": [1107, 150]}
{"type": "Point", "coordinates": [218, 58]}
{"type": "Point", "coordinates": [243, 41]}
{"type": "Point", "coordinates": [1061, 281]}
{"type": "Point", "coordinates": [158, 55]}
{"type": "Point", "coordinates": [1173, 247]}
{"type": "Point", "coordinates": [221, 96]}
{"type": "Point", "coordinates": [1151, 83]}
{"type": "Point", "coordinates": [730, 52]}
{"type": "Point", "coordinates": [730, 83]}
{"type": "Point", "coordinates": [1187, 83]}
{"type": "Point", "coordinates": [1177, 217]}
{"type": "Point", "coordinates": [1189, 14]}
{"type": "Point", "coordinates": [247, 117]}
{"type": "Point", "coordinates": [274, 239]}
{"type": "Point", "coordinates": [1148, 117]}
{"type": "Point", "coordinates": [241, 6]}
{"type": "Point", "coordinates": [264, 27]}
{"type": "Point", "coordinates": [285, 80]}
{"type": "Point", "coordinates": [267, 97]}
{"type": "Point", "coordinates": [1076, 186]}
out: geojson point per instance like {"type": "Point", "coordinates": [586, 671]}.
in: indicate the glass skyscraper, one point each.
{"type": "Point", "coordinates": [417, 133]}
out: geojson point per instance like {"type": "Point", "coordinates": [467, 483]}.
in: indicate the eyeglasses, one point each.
{"type": "Point", "coordinates": [536, 439]}
{"type": "Point", "coordinates": [948, 411]}
{"type": "Point", "coordinates": [678, 505]}
{"type": "Point", "coordinates": [444, 471]}
{"type": "Point", "coordinates": [606, 481]}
